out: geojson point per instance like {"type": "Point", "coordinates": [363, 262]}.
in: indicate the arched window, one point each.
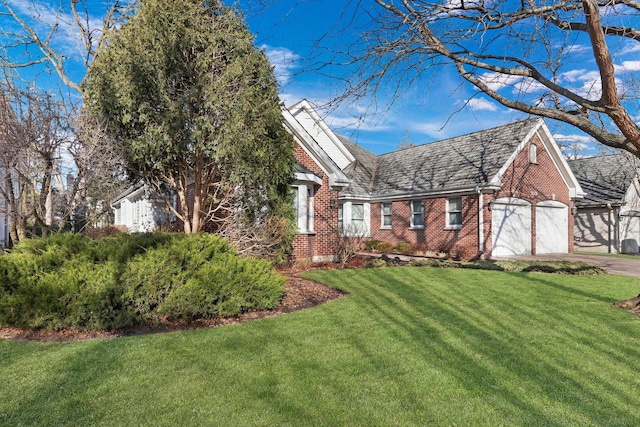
{"type": "Point", "coordinates": [533, 153]}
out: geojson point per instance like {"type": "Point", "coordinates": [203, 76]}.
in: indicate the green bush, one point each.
{"type": "Point", "coordinates": [384, 247]}
{"type": "Point", "coordinates": [199, 276]}
{"type": "Point", "coordinates": [71, 281]}
{"type": "Point", "coordinates": [404, 248]}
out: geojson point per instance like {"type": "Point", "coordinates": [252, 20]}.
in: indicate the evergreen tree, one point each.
{"type": "Point", "coordinates": [195, 105]}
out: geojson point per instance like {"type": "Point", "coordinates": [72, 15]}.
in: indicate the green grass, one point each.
{"type": "Point", "coordinates": [408, 346]}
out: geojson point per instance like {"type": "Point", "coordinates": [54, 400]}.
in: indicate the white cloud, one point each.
{"type": "Point", "coordinates": [630, 47]}
{"type": "Point", "coordinates": [574, 146]}
{"type": "Point", "coordinates": [497, 81]}
{"type": "Point", "coordinates": [42, 16]}
{"type": "Point", "coordinates": [580, 75]}
{"type": "Point", "coordinates": [284, 60]}
{"type": "Point", "coordinates": [575, 138]}
{"type": "Point", "coordinates": [479, 104]}
{"type": "Point", "coordinates": [628, 66]}
{"type": "Point", "coordinates": [527, 85]}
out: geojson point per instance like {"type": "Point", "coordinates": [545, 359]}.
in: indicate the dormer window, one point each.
{"type": "Point", "coordinates": [533, 153]}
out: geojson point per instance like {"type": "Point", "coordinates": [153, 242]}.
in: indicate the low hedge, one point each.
{"type": "Point", "coordinates": [71, 281]}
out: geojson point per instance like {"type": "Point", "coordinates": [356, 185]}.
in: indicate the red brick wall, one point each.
{"type": "Point", "coordinates": [434, 236]}
{"type": "Point", "coordinates": [324, 241]}
{"type": "Point", "coordinates": [532, 182]}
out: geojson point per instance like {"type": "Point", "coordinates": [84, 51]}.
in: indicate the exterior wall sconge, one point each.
{"type": "Point", "coordinates": [332, 203]}
{"type": "Point", "coordinates": [490, 206]}
{"type": "Point", "coordinates": [574, 211]}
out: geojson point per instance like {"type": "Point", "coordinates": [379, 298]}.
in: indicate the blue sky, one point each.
{"type": "Point", "coordinates": [437, 106]}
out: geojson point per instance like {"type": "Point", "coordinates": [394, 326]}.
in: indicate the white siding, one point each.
{"type": "Point", "coordinates": [138, 215]}
{"type": "Point", "coordinates": [323, 139]}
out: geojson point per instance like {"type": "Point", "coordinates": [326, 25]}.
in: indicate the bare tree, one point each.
{"type": "Point", "coordinates": [57, 164]}
{"type": "Point", "coordinates": [35, 35]}
{"type": "Point", "coordinates": [526, 55]}
{"type": "Point", "coordinates": [59, 168]}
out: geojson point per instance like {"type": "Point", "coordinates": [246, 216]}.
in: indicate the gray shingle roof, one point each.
{"type": "Point", "coordinates": [463, 161]}
{"type": "Point", "coordinates": [605, 179]}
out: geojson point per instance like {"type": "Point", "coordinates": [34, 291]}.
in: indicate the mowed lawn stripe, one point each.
{"type": "Point", "coordinates": [407, 346]}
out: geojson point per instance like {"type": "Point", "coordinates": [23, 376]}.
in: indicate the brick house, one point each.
{"type": "Point", "coordinates": [501, 191]}
{"type": "Point", "coordinates": [607, 220]}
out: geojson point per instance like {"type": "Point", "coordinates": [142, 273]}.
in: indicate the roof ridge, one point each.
{"type": "Point", "coordinates": [438, 142]}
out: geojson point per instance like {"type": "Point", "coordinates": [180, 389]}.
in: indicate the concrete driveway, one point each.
{"type": "Point", "coordinates": [611, 264]}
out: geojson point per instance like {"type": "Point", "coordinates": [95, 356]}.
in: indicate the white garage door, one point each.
{"type": "Point", "coordinates": [552, 228]}
{"type": "Point", "coordinates": [511, 227]}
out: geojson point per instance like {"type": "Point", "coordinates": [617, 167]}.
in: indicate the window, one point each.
{"type": "Point", "coordinates": [386, 215]}
{"type": "Point", "coordinates": [533, 154]}
{"type": "Point", "coordinates": [357, 218]}
{"type": "Point", "coordinates": [303, 207]}
{"type": "Point", "coordinates": [295, 202]}
{"type": "Point", "coordinates": [454, 212]}
{"type": "Point", "coordinates": [353, 219]}
{"type": "Point", "coordinates": [417, 214]}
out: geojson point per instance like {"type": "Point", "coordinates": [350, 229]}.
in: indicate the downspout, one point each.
{"type": "Point", "coordinates": [480, 221]}
{"type": "Point", "coordinates": [609, 228]}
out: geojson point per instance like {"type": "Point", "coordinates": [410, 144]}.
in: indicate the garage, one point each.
{"type": "Point", "coordinates": [552, 228]}
{"type": "Point", "coordinates": [511, 227]}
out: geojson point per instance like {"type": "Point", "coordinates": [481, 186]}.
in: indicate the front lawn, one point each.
{"type": "Point", "coordinates": [408, 346]}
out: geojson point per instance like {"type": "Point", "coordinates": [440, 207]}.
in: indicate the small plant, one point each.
{"type": "Point", "coordinates": [385, 247]}
{"type": "Point", "coordinates": [372, 245]}
{"type": "Point", "coordinates": [376, 263]}
{"type": "Point", "coordinates": [464, 253]}
{"type": "Point", "coordinates": [404, 248]}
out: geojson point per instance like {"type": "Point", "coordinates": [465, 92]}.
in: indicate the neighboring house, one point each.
{"type": "Point", "coordinates": [607, 220]}
{"type": "Point", "coordinates": [138, 210]}
{"type": "Point", "coordinates": [501, 191]}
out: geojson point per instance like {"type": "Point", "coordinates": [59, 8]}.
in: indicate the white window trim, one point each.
{"type": "Point", "coordinates": [382, 215]}
{"type": "Point", "coordinates": [348, 230]}
{"type": "Point", "coordinates": [448, 225]}
{"type": "Point", "coordinates": [412, 225]}
{"type": "Point", "coordinates": [306, 199]}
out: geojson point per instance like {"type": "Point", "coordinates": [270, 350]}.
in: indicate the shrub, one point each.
{"type": "Point", "coordinates": [376, 263]}
{"type": "Point", "coordinates": [200, 276]}
{"type": "Point", "coordinates": [372, 245]}
{"type": "Point", "coordinates": [404, 248]}
{"type": "Point", "coordinates": [465, 252]}
{"type": "Point", "coordinates": [384, 247]}
{"type": "Point", "coordinates": [122, 280]}
{"type": "Point", "coordinates": [108, 230]}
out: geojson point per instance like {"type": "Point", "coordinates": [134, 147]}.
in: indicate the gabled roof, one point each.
{"type": "Point", "coordinates": [475, 160]}
{"type": "Point", "coordinates": [308, 129]}
{"type": "Point", "coordinates": [132, 191]}
{"type": "Point", "coordinates": [605, 179]}
{"type": "Point", "coordinates": [463, 161]}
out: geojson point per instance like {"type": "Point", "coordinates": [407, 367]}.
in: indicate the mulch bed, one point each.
{"type": "Point", "coordinates": [298, 294]}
